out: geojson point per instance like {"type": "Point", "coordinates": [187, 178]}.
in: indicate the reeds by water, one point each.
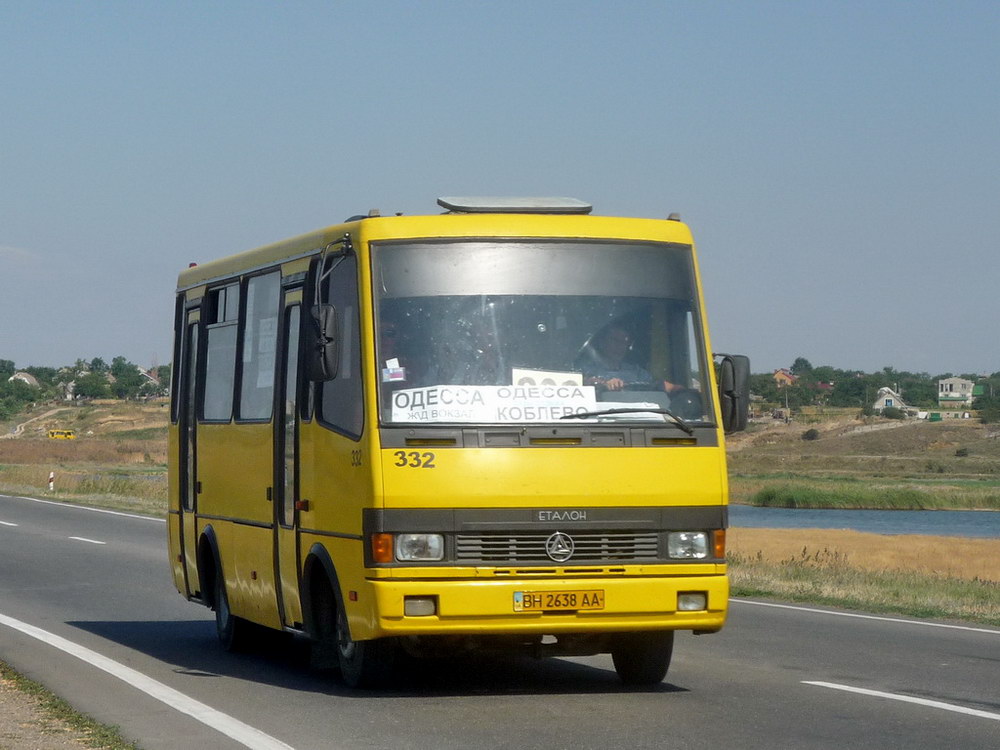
{"type": "Point", "coordinates": [897, 495]}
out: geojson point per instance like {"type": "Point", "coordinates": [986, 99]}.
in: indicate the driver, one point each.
{"type": "Point", "coordinates": [608, 368]}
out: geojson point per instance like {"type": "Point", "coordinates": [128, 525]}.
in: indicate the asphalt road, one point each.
{"type": "Point", "coordinates": [121, 645]}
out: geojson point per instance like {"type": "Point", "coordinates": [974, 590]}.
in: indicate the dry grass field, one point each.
{"type": "Point", "coordinates": [940, 557]}
{"type": "Point", "coordinates": [929, 577]}
{"type": "Point", "coordinates": [118, 459]}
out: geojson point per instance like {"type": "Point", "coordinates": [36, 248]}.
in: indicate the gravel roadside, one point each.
{"type": "Point", "coordinates": [32, 718]}
{"type": "Point", "coordinates": [25, 725]}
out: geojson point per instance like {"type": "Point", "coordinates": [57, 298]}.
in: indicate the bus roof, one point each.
{"type": "Point", "coordinates": [467, 217]}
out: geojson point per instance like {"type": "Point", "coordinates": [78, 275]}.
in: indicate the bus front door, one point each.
{"type": "Point", "coordinates": [286, 466]}
{"type": "Point", "coordinates": [188, 453]}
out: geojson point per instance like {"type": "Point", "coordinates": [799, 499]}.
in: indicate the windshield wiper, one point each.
{"type": "Point", "coordinates": [677, 420]}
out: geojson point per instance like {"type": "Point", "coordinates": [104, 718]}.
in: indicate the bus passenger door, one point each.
{"type": "Point", "coordinates": [189, 453]}
{"type": "Point", "coordinates": [286, 465]}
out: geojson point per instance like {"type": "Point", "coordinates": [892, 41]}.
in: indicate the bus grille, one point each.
{"type": "Point", "coordinates": [530, 548]}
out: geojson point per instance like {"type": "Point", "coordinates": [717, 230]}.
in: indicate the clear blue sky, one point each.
{"type": "Point", "coordinates": [839, 162]}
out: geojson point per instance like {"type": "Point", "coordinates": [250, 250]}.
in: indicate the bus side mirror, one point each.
{"type": "Point", "coordinates": [734, 391]}
{"type": "Point", "coordinates": [323, 348]}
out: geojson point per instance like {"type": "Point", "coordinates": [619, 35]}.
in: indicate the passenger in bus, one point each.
{"type": "Point", "coordinates": [604, 361]}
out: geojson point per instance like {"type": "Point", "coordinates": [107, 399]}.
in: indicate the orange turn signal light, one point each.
{"type": "Point", "coordinates": [719, 544]}
{"type": "Point", "coordinates": [382, 548]}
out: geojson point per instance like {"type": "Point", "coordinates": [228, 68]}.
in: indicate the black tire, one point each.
{"type": "Point", "coordinates": [234, 632]}
{"type": "Point", "coordinates": [363, 664]}
{"type": "Point", "coordinates": [323, 651]}
{"type": "Point", "coordinates": [643, 659]}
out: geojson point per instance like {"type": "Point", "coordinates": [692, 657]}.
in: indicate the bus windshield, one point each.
{"type": "Point", "coordinates": [495, 331]}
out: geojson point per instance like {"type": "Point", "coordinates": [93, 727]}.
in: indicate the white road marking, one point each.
{"type": "Point", "coordinates": [87, 507]}
{"type": "Point", "coordinates": [907, 699]}
{"type": "Point", "coordinates": [7, 523]}
{"type": "Point", "coordinates": [869, 617]}
{"type": "Point", "coordinates": [84, 539]}
{"type": "Point", "coordinates": [224, 723]}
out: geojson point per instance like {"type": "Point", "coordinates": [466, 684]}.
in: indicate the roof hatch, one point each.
{"type": "Point", "coordinates": [513, 205]}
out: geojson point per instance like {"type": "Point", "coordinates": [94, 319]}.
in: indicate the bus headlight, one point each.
{"type": "Point", "coordinates": [419, 547]}
{"type": "Point", "coordinates": [688, 545]}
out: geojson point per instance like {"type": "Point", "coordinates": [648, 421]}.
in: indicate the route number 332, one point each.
{"type": "Point", "coordinates": [415, 459]}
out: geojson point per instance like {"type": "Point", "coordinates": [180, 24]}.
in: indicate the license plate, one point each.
{"type": "Point", "coordinates": [558, 601]}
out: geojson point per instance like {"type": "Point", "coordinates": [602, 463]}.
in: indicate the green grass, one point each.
{"type": "Point", "coordinates": [835, 478]}
{"type": "Point", "coordinates": [892, 495]}
{"type": "Point", "coordinates": [828, 580]}
{"type": "Point", "coordinates": [91, 733]}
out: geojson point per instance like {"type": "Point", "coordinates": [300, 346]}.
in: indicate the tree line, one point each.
{"type": "Point", "coordinates": [823, 385]}
{"type": "Point", "coordinates": [121, 379]}
{"type": "Point", "coordinates": [829, 386]}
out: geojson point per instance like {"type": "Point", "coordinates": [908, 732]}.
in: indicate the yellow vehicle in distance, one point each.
{"type": "Point", "coordinates": [62, 435]}
{"type": "Point", "coordinates": [498, 427]}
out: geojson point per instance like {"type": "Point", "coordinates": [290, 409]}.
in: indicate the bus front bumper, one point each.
{"type": "Point", "coordinates": [476, 607]}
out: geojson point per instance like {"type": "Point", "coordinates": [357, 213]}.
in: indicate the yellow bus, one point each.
{"type": "Point", "coordinates": [62, 435]}
{"type": "Point", "coordinates": [498, 426]}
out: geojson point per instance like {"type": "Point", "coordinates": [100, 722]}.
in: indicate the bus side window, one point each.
{"type": "Point", "coordinates": [341, 403]}
{"type": "Point", "coordinates": [259, 346]}
{"type": "Point", "coordinates": [220, 366]}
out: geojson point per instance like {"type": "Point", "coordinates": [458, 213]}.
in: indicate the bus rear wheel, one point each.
{"type": "Point", "coordinates": [642, 659]}
{"type": "Point", "coordinates": [363, 664]}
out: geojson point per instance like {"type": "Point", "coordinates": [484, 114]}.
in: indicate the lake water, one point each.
{"type": "Point", "coordinates": [932, 522]}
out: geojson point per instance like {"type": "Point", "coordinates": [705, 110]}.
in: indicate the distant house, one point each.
{"type": "Point", "coordinates": [24, 377]}
{"type": "Point", "coordinates": [783, 377]}
{"type": "Point", "coordinates": [886, 399]}
{"type": "Point", "coordinates": [955, 393]}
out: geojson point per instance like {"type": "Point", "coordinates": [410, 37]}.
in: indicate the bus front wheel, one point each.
{"type": "Point", "coordinates": [233, 631]}
{"type": "Point", "coordinates": [363, 664]}
{"type": "Point", "coordinates": [642, 659]}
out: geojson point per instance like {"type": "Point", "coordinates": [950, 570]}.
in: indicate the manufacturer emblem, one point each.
{"type": "Point", "coordinates": [569, 514]}
{"type": "Point", "coordinates": [559, 547]}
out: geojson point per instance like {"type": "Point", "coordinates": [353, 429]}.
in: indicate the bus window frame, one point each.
{"type": "Point", "coordinates": [240, 342]}
{"type": "Point", "coordinates": [306, 395]}
{"type": "Point", "coordinates": [212, 305]}
{"type": "Point", "coordinates": [314, 400]}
